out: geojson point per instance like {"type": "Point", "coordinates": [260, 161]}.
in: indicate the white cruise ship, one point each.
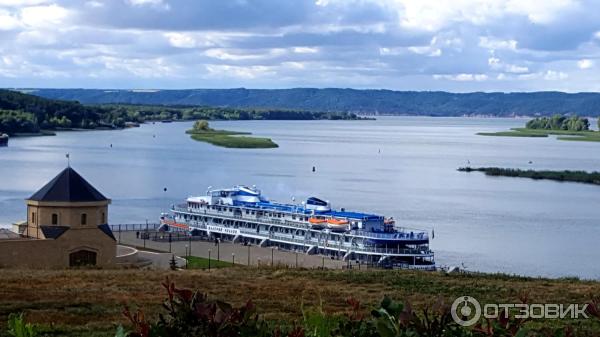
{"type": "Point", "coordinates": [243, 214]}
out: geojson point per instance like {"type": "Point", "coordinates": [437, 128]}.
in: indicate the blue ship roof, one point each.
{"type": "Point", "coordinates": [300, 209]}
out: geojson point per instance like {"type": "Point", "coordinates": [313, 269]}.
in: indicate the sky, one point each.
{"type": "Point", "coordinates": [450, 45]}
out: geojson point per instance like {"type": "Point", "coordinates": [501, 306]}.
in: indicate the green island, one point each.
{"type": "Point", "coordinates": [572, 128]}
{"type": "Point", "coordinates": [313, 303]}
{"type": "Point", "coordinates": [28, 115]}
{"type": "Point", "coordinates": [570, 176]}
{"type": "Point", "coordinates": [231, 139]}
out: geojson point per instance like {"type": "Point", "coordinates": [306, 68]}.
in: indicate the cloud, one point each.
{"type": "Point", "coordinates": [585, 64]}
{"type": "Point", "coordinates": [462, 77]}
{"type": "Point", "coordinates": [460, 45]}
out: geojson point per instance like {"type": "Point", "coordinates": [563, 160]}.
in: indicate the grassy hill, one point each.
{"type": "Point", "coordinates": [90, 302]}
{"type": "Point", "coordinates": [434, 103]}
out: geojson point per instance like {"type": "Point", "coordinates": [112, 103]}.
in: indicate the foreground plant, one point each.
{"type": "Point", "coordinates": [18, 328]}
{"type": "Point", "coordinates": [191, 313]}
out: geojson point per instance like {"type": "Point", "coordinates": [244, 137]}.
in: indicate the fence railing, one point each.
{"type": "Point", "coordinates": [134, 227]}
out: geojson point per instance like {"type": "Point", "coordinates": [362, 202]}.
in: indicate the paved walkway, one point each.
{"type": "Point", "coordinates": [234, 252]}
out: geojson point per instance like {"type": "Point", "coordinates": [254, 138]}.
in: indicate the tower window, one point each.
{"type": "Point", "coordinates": [33, 217]}
{"type": "Point", "coordinates": [54, 219]}
{"type": "Point", "coordinates": [84, 219]}
{"type": "Point", "coordinates": [103, 218]}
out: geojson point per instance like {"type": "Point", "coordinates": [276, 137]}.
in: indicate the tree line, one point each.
{"type": "Point", "coordinates": [559, 122]}
{"type": "Point", "coordinates": [23, 113]}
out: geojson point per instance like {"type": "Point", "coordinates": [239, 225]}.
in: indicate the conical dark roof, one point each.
{"type": "Point", "coordinates": [68, 186]}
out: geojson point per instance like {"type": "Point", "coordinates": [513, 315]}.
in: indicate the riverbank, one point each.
{"type": "Point", "coordinates": [92, 303]}
{"type": "Point", "coordinates": [589, 136]}
{"type": "Point", "coordinates": [568, 176]}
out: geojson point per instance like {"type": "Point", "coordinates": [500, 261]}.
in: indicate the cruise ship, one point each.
{"type": "Point", "coordinates": [243, 214]}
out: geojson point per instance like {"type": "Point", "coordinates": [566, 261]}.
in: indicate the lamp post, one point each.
{"type": "Point", "coordinates": [209, 259]}
{"type": "Point", "coordinates": [170, 239]}
{"type": "Point", "coordinates": [296, 259]}
{"type": "Point", "coordinates": [218, 250]}
{"type": "Point", "coordinates": [232, 258]}
{"type": "Point", "coordinates": [248, 255]}
{"type": "Point", "coordinates": [186, 256]}
{"type": "Point", "coordinates": [272, 257]}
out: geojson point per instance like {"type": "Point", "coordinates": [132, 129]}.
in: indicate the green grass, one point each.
{"type": "Point", "coordinates": [511, 134]}
{"type": "Point", "coordinates": [588, 136]}
{"type": "Point", "coordinates": [232, 139]}
{"type": "Point", "coordinates": [195, 262]}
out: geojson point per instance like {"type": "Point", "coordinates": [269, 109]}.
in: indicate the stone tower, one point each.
{"type": "Point", "coordinates": [72, 213]}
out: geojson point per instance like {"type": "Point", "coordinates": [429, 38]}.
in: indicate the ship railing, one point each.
{"type": "Point", "coordinates": [329, 244]}
{"type": "Point", "coordinates": [390, 236]}
{"type": "Point", "coordinates": [402, 235]}
{"type": "Point", "coordinates": [257, 218]}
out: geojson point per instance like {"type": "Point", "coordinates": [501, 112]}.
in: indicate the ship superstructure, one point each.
{"type": "Point", "coordinates": [243, 214]}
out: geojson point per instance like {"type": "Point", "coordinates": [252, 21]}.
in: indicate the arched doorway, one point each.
{"type": "Point", "coordinates": [82, 258]}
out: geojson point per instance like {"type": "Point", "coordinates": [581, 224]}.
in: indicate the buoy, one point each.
{"type": "Point", "coordinates": [110, 145]}
{"type": "Point", "coordinates": [165, 189]}
{"type": "Point", "coordinates": [314, 169]}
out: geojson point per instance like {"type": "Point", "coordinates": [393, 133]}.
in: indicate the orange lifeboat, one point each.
{"type": "Point", "coordinates": [337, 224]}
{"type": "Point", "coordinates": [317, 223]}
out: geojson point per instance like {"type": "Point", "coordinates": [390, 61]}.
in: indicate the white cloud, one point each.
{"type": "Point", "coordinates": [44, 16]}
{"type": "Point", "coordinates": [540, 12]}
{"type": "Point", "coordinates": [552, 75]}
{"type": "Point", "coordinates": [181, 40]}
{"type": "Point", "coordinates": [496, 64]}
{"type": "Point", "coordinates": [585, 64]}
{"type": "Point", "coordinates": [492, 43]}
{"type": "Point", "coordinates": [433, 15]}
{"type": "Point", "coordinates": [305, 50]}
{"type": "Point", "coordinates": [8, 21]}
{"type": "Point", "coordinates": [156, 4]}
{"type": "Point", "coordinates": [249, 72]}
{"type": "Point", "coordinates": [462, 77]}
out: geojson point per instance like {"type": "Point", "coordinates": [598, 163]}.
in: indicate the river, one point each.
{"type": "Point", "coordinates": [397, 166]}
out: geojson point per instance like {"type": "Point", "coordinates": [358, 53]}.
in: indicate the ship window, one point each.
{"type": "Point", "coordinates": [55, 219]}
{"type": "Point", "coordinates": [83, 219]}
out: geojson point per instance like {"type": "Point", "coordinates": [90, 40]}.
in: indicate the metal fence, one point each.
{"type": "Point", "coordinates": [129, 227]}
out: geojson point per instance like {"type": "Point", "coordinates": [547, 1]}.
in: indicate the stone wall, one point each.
{"type": "Point", "coordinates": [54, 254]}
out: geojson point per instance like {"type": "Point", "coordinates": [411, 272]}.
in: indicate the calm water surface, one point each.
{"type": "Point", "coordinates": [399, 166]}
